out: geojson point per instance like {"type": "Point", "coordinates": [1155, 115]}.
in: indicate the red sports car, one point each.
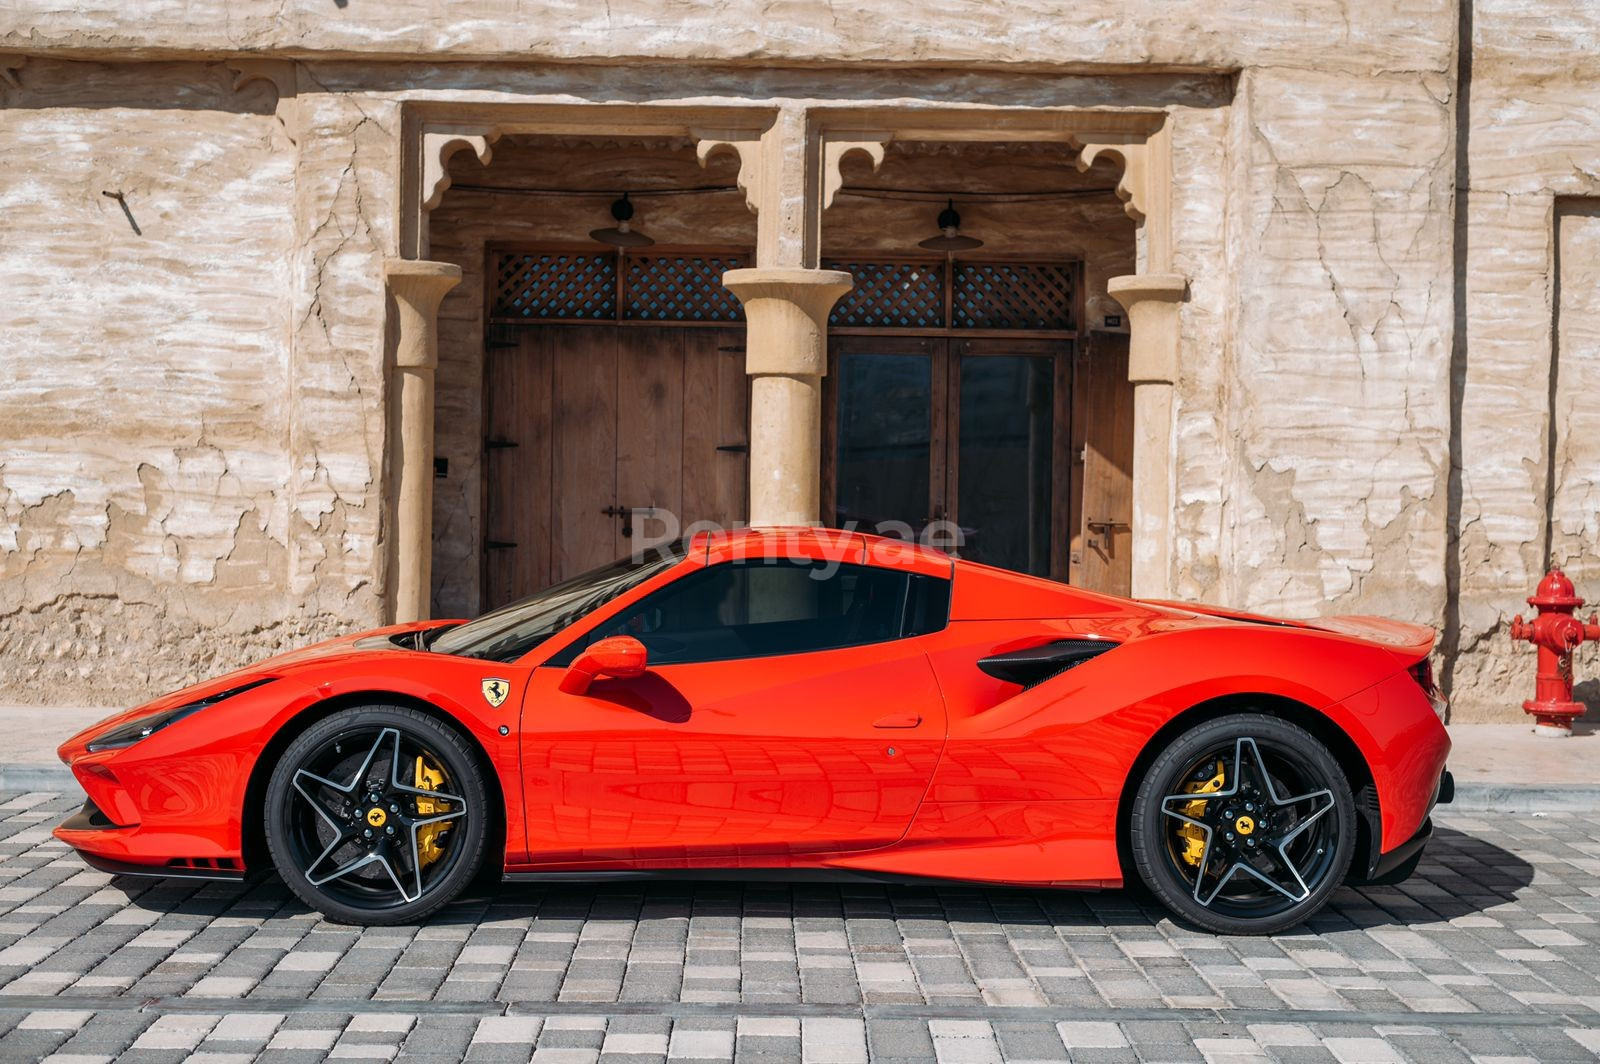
{"type": "Point", "coordinates": [794, 699]}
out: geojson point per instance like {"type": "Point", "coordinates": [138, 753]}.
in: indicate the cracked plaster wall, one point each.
{"type": "Point", "coordinates": [179, 496]}
{"type": "Point", "coordinates": [1312, 215]}
{"type": "Point", "coordinates": [1534, 153]}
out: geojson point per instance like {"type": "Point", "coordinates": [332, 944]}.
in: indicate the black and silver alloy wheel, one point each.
{"type": "Point", "coordinates": [376, 815]}
{"type": "Point", "coordinates": [1244, 825]}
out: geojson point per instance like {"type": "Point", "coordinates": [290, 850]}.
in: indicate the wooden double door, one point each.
{"type": "Point", "coordinates": [1016, 452]}
{"type": "Point", "coordinates": [601, 438]}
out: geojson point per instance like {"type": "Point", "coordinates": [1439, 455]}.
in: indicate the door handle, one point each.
{"type": "Point", "coordinates": [898, 720]}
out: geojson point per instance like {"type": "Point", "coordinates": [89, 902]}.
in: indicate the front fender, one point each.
{"type": "Point", "coordinates": [181, 792]}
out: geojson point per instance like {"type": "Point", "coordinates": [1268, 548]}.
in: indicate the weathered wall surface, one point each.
{"type": "Point", "coordinates": [1408, 35]}
{"type": "Point", "coordinates": [1338, 403]}
{"type": "Point", "coordinates": [236, 345]}
{"type": "Point", "coordinates": [145, 377]}
{"type": "Point", "coordinates": [181, 487]}
{"type": "Point", "coordinates": [1529, 318]}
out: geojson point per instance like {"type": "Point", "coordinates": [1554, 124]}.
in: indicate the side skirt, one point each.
{"type": "Point", "coordinates": [771, 875]}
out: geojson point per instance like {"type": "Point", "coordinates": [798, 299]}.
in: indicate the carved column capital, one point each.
{"type": "Point", "coordinates": [787, 312]}
{"type": "Point", "coordinates": [418, 287]}
{"type": "Point", "coordinates": [1153, 302]}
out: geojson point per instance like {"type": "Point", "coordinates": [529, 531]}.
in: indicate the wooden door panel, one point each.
{"type": "Point", "coordinates": [584, 480]}
{"type": "Point", "coordinates": [650, 425]}
{"type": "Point", "coordinates": [1103, 544]}
{"type": "Point", "coordinates": [716, 428]}
{"type": "Point", "coordinates": [517, 441]}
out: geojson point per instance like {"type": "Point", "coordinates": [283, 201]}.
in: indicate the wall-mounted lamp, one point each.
{"type": "Point", "coordinates": [621, 235]}
{"type": "Point", "coordinates": [950, 238]}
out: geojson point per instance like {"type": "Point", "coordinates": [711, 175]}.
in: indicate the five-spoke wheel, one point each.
{"type": "Point", "coordinates": [1245, 824]}
{"type": "Point", "coordinates": [376, 815]}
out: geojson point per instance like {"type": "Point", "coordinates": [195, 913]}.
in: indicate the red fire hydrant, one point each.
{"type": "Point", "coordinates": [1557, 633]}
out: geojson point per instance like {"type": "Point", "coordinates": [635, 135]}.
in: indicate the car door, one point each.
{"type": "Point", "coordinates": [788, 709]}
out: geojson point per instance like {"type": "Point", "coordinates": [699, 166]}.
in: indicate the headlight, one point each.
{"type": "Point", "coordinates": [130, 732]}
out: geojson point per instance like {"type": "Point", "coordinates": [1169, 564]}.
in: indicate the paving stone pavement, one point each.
{"type": "Point", "coordinates": [1491, 954]}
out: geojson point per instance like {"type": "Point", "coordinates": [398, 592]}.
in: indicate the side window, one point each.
{"type": "Point", "coordinates": [752, 609]}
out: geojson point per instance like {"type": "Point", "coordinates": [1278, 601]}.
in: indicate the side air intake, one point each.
{"type": "Point", "coordinates": [1035, 665]}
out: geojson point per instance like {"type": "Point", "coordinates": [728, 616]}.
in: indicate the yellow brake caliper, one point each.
{"type": "Point", "coordinates": [1194, 839]}
{"type": "Point", "coordinates": [429, 779]}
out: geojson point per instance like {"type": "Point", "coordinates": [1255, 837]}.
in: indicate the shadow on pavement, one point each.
{"type": "Point", "coordinates": [1461, 874]}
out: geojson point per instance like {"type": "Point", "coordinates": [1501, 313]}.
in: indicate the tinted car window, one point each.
{"type": "Point", "coordinates": [511, 631]}
{"type": "Point", "coordinates": [754, 609]}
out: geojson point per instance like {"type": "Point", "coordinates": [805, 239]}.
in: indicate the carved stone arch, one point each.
{"type": "Point", "coordinates": [282, 76]}
{"type": "Point", "coordinates": [1132, 188]}
{"type": "Point", "coordinates": [839, 146]}
{"type": "Point", "coordinates": [745, 144]}
{"type": "Point", "coordinates": [439, 144]}
{"type": "Point", "coordinates": [10, 67]}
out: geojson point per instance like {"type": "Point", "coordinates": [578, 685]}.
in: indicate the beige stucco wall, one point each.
{"type": "Point", "coordinates": [1533, 144]}
{"type": "Point", "coordinates": [211, 394]}
{"type": "Point", "coordinates": [146, 380]}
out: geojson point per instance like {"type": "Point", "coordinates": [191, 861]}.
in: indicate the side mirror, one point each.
{"type": "Point", "coordinates": [621, 656]}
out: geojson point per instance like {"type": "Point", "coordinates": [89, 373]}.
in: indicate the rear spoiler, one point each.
{"type": "Point", "coordinates": [1412, 642]}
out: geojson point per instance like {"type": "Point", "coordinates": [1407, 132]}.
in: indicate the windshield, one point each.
{"type": "Point", "coordinates": [511, 631]}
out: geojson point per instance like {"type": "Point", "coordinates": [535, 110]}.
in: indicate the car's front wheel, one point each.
{"type": "Point", "coordinates": [377, 815]}
{"type": "Point", "coordinates": [1244, 824]}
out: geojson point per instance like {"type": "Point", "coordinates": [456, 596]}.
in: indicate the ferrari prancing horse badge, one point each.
{"type": "Point", "coordinates": [495, 691]}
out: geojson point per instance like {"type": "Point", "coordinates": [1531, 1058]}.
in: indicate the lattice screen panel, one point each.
{"type": "Point", "coordinates": [891, 295]}
{"type": "Point", "coordinates": [680, 288]}
{"type": "Point", "coordinates": [685, 288]}
{"type": "Point", "coordinates": [557, 285]}
{"type": "Point", "coordinates": [1001, 295]}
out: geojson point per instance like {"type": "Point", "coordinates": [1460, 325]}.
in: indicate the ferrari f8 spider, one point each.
{"type": "Point", "coordinates": [803, 702]}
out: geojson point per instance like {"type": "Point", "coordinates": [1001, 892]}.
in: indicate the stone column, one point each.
{"type": "Point", "coordinates": [417, 288]}
{"type": "Point", "coordinates": [1153, 302]}
{"type": "Point", "coordinates": [786, 356]}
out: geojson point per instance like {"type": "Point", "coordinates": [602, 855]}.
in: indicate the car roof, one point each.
{"type": "Point", "coordinates": [814, 544]}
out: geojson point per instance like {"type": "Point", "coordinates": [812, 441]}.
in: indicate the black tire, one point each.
{"type": "Point", "coordinates": [363, 843]}
{"type": "Point", "coordinates": [1268, 850]}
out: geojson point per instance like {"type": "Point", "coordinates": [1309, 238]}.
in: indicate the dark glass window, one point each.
{"type": "Point", "coordinates": [511, 631]}
{"type": "Point", "coordinates": [753, 609]}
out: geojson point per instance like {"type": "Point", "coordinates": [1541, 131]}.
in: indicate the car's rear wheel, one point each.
{"type": "Point", "coordinates": [1245, 824]}
{"type": "Point", "coordinates": [377, 815]}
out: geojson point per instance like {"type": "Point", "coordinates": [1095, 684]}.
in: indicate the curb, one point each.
{"type": "Point", "coordinates": [1470, 797]}
{"type": "Point", "coordinates": [56, 777]}
{"type": "Point", "coordinates": [1512, 798]}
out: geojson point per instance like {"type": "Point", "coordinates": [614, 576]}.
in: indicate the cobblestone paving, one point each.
{"type": "Point", "coordinates": [1491, 953]}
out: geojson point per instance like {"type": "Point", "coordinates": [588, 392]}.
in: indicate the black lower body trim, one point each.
{"type": "Point", "coordinates": [124, 868]}
{"type": "Point", "coordinates": [90, 818]}
{"type": "Point", "coordinates": [1404, 852]}
{"type": "Point", "coordinates": [764, 875]}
